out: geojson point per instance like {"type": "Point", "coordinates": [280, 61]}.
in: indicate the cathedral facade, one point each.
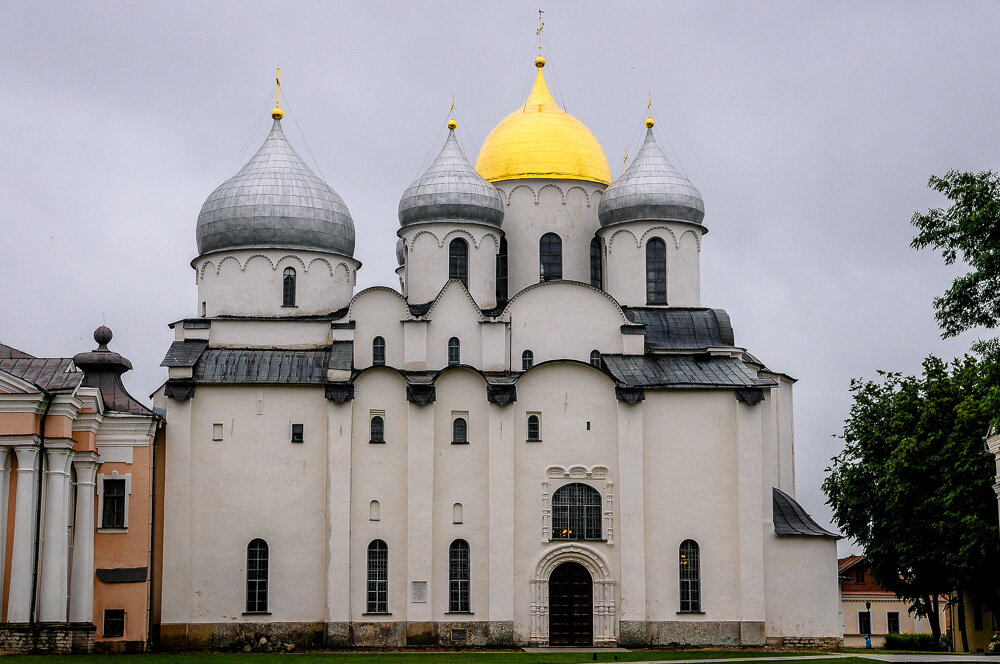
{"type": "Point", "coordinates": [542, 437]}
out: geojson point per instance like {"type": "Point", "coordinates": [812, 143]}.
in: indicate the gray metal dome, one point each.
{"type": "Point", "coordinates": [451, 190]}
{"type": "Point", "coordinates": [275, 201]}
{"type": "Point", "coordinates": [651, 189]}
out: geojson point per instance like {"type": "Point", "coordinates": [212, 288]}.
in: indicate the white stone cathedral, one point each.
{"type": "Point", "coordinates": [541, 438]}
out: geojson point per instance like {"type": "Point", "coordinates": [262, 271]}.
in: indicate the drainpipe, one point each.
{"type": "Point", "coordinates": [32, 620]}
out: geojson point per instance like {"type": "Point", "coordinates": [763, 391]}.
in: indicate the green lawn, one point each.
{"type": "Point", "coordinates": [430, 657]}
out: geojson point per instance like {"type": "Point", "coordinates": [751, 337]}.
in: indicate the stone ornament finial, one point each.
{"type": "Point", "coordinates": [103, 336]}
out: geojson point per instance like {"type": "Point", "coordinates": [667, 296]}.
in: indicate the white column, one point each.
{"type": "Point", "coordinates": [501, 512]}
{"type": "Point", "coordinates": [55, 571]}
{"type": "Point", "coordinates": [22, 555]}
{"type": "Point", "coordinates": [81, 595]}
{"type": "Point", "coordinates": [631, 501]}
{"type": "Point", "coordinates": [4, 492]}
{"type": "Point", "coordinates": [419, 508]}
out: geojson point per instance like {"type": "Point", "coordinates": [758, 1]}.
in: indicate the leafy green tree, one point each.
{"type": "Point", "coordinates": [913, 484]}
{"type": "Point", "coordinates": [969, 229]}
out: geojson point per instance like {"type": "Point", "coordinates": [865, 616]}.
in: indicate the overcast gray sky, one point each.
{"type": "Point", "coordinates": [810, 127]}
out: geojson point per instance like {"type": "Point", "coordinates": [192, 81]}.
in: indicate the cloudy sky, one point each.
{"type": "Point", "coordinates": [811, 129]}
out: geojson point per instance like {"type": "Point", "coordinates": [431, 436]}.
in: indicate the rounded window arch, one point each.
{"type": "Point", "coordinates": [596, 264]}
{"type": "Point", "coordinates": [257, 557]}
{"type": "Point", "coordinates": [458, 577]}
{"type": "Point", "coordinates": [689, 562]}
{"type": "Point", "coordinates": [459, 431]}
{"type": "Point", "coordinates": [458, 260]}
{"type": "Point", "coordinates": [595, 358]}
{"type": "Point", "coordinates": [378, 351]}
{"type": "Point", "coordinates": [550, 257]}
{"type": "Point", "coordinates": [378, 577]}
{"type": "Point", "coordinates": [534, 428]}
{"type": "Point", "coordinates": [527, 360]}
{"type": "Point", "coordinates": [377, 429]}
{"type": "Point", "coordinates": [374, 511]}
{"type": "Point", "coordinates": [288, 287]}
{"type": "Point", "coordinates": [656, 271]}
{"type": "Point", "coordinates": [457, 513]}
{"type": "Point", "coordinates": [576, 512]}
{"type": "Point", "coordinates": [454, 351]}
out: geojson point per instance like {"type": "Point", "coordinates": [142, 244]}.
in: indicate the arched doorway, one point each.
{"type": "Point", "coordinates": [571, 606]}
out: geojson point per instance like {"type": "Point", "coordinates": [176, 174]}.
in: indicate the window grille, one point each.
{"type": "Point", "coordinates": [378, 351]}
{"type": "Point", "coordinates": [114, 504]}
{"type": "Point", "coordinates": [576, 512]}
{"type": "Point", "coordinates": [114, 623]}
{"type": "Point", "coordinates": [550, 257]}
{"type": "Point", "coordinates": [288, 288]}
{"type": "Point", "coordinates": [297, 433]}
{"type": "Point", "coordinates": [502, 271]}
{"type": "Point", "coordinates": [534, 428]}
{"type": "Point", "coordinates": [527, 360]}
{"type": "Point", "coordinates": [656, 271]}
{"type": "Point", "coordinates": [460, 431]}
{"type": "Point", "coordinates": [458, 577]}
{"type": "Point", "coordinates": [377, 429]}
{"type": "Point", "coordinates": [454, 351]}
{"type": "Point", "coordinates": [596, 268]}
{"type": "Point", "coordinates": [378, 577]}
{"type": "Point", "coordinates": [257, 576]}
{"type": "Point", "coordinates": [458, 261]}
{"type": "Point", "coordinates": [595, 358]}
{"type": "Point", "coordinates": [690, 576]}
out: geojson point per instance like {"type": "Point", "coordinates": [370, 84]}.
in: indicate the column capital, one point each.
{"type": "Point", "coordinates": [27, 458]}
{"type": "Point", "coordinates": [85, 464]}
{"type": "Point", "coordinates": [60, 456]}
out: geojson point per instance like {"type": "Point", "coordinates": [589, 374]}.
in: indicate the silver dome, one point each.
{"type": "Point", "coordinates": [400, 252]}
{"type": "Point", "coordinates": [451, 190]}
{"type": "Point", "coordinates": [275, 201]}
{"type": "Point", "coordinates": [651, 189]}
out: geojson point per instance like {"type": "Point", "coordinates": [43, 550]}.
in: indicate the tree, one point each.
{"type": "Point", "coordinates": [913, 484]}
{"type": "Point", "coordinates": [969, 229]}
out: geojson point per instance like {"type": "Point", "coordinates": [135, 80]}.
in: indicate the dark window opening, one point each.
{"type": "Point", "coordinates": [550, 257]}
{"type": "Point", "coordinates": [527, 360]}
{"type": "Point", "coordinates": [596, 267]}
{"type": "Point", "coordinates": [864, 622]}
{"type": "Point", "coordinates": [502, 272]}
{"type": "Point", "coordinates": [690, 576]}
{"type": "Point", "coordinates": [859, 575]}
{"type": "Point", "coordinates": [297, 433]}
{"type": "Point", "coordinates": [378, 351]}
{"type": "Point", "coordinates": [378, 577]}
{"type": "Point", "coordinates": [377, 430]}
{"type": "Point", "coordinates": [656, 271]}
{"type": "Point", "coordinates": [576, 512]}
{"type": "Point", "coordinates": [460, 431]}
{"type": "Point", "coordinates": [458, 261]}
{"type": "Point", "coordinates": [892, 622]}
{"type": "Point", "coordinates": [113, 515]}
{"type": "Point", "coordinates": [458, 577]}
{"type": "Point", "coordinates": [454, 351]}
{"type": "Point", "coordinates": [288, 288]}
{"type": "Point", "coordinates": [114, 623]}
{"type": "Point", "coordinates": [595, 358]}
{"type": "Point", "coordinates": [257, 576]}
{"type": "Point", "coordinates": [534, 430]}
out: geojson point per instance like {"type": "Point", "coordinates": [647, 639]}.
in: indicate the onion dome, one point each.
{"type": "Point", "coordinates": [651, 189]}
{"type": "Point", "coordinates": [400, 252]}
{"type": "Point", "coordinates": [451, 190]}
{"type": "Point", "coordinates": [540, 140]}
{"type": "Point", "coordinates": [275, 201]}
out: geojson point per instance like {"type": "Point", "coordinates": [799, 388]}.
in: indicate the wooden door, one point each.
{"type": "Point", "coordinates": [571, 606]}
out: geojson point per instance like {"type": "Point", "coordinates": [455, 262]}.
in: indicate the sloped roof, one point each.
{"type": "Point", "coordinates": [844, 564]}
{"type": "Point", "coordinates": [11, 353]}
{"type": "Point", "coordinates": [677, 328]}
{"type": "Point", "coordinates": [680, 371]}
{"type": "Point", "coordinates": [53, 374]}
{"type": "Point", "coordinates": [791, 519]}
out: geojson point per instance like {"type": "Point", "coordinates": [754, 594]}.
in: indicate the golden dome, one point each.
{"type": "Point", "coordinates": [540, 140]}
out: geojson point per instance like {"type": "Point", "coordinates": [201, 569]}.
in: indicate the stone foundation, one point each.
{"type": "Point", "coordinates": [46, 638]}
{"type": "Point", "coordinates": [694, 633]}
{"type": "Point", "coordinates": [822, 642]}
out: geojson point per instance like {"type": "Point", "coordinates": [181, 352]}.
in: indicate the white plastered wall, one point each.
{"type": "Point", "coordinates": [427, 250]}
{"type": "Point", "coordinates": [625, 261]}
{"type": "Point", "coordinates": [801, 589]}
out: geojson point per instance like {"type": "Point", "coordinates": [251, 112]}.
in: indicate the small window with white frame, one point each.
{"type": "Point", "coordinates": [112, 497]}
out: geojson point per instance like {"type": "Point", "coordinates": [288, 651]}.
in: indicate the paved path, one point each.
{"type": "Point", "coordinates": [917, 658]}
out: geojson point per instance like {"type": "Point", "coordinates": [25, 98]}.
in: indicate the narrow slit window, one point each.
{"type": "Point", "coordinates": [458, 261]}
{"type": "Point", "coordinates": [457, 515]}
{"type": "Point", "coordinates": [596, 266]}
{"type": "Point", "coordinates": [690, 576]}
{"type": "Point", "coordinates": [454, 351]}
{"type": "Point", "coordinates": [656, 271]}
{"type": "Point", "coordinates": [550, 257]}
{"type": "Point", "coordinates": [595, 358]}
{"type": "Point", "coordinates": [458, 577]}
{"type": "Point", "coordinates": [460, 431]}
{"type": "Point", "coordinates": [257, 555]}
{"type": "Point", "coordinates": [113, 515]}
{"type": "Point", "coordinates": [527, 360]}
{"type": "Point", "coordinates": [378, 351]}
{"type": "Point", "coordinates": [502, 271]}
{"type": "Point", "coordinates": [378, 577]}
{"type": "Point", "coordinates": [534, 428]}
{"type": "Point", "coordinates": [377, 429]}
{"type": "Point", "coordinates": [288, 288]}
{"type": "Point", "coordinates": [374, 511]}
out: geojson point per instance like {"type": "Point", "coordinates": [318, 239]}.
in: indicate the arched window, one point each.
{"type": "Point", "coordinates": [454, 351]}
{"type": "Point", "coordinates": [502, 271]}
{"type": "Point", "coordinates": [377, 429]}
{"type": "Point", "coordinates": [534, 428]}
{"type": "Point", "coordinates": [378, 351]}
{"type": "Point", "coordinates": [257, 576]}
{"type": "Point", "coordinates": [288, 288]}
{"type": "Point", "coordinates": [459, 431]}
{"type": "Point", "coordinates": [457, 515]}
{"type": "Point", "coordinates": [690, 570]}
{"type": "Point", "coordinates": [458, 261]}
{"type": "Point", "coordinates": [596, 268]}
{"type": "Point", "coordinates": [378, 577]}
{"type": "Point", "coordinates": [550, 257]}
{"type": "Point", "coordinates": [374, 511]}
{"type": "Point", "coordinates": [576, 512]}
{"type": "Point", "coordinates": [527, 360]}
{"type": "Point", "coordinates": [458, 577]}
{"type": "Point", "coordinates": [595, 358]}
{"type": "Point", "coordinates": [656, 271]}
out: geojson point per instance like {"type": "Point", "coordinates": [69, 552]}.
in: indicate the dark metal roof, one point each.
{"type": "Point", "coordinates": [682, 371]}
{"type": "Point", "coordinates": [11, 353]}
{"type": "Point", "coordinates": [676, 328]}
{"type": "Point", "coordinates": [53, 374]}
{"type": "Point", "coordinates": [791, 519]}
{"type": "Point", "coordinates": [420, 309]}
{"type": "Point", "coordinates": [262, 365]}
{"type": "Point", "coordinates": [184, 353]}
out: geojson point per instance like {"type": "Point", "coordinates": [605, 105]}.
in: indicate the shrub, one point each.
{"type": "Point", "coordinates": [910, 642]}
